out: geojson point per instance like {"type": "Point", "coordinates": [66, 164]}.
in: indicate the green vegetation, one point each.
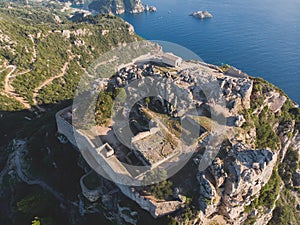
{"type": "Point", "coordinates": [2, 77]}
{"type": "Point", "coordinates": [105, 102]}
{"type": "Point", "coordinates": [173, 124]}
{"type": "Point", "coordinates": [62, 88]}
{"type": "Point", "coordinates": [257, 97]}
{"type": "Point", "coordinates": [9, 104]}
{"type": "Point", "coordinates": [106, 6]}
{"type": "Point", "coordinates": [35, 203]}
{"type": "Point", "coordinates": [186, 216]}
{"type": "Point", "coordinates": [250, 220]}
{"type": "Point", "coordinates": [263, 120]}
{"type": "Point", "coordinates": [224, 67]}
{"type": "Point", "coordinates": [268, 193]}
{"type": "Point", "coordinates": [285, 212]}
{"type": "Point", "coordinates": [265, 134]}
{"type": "Point", "coordinates": [162, 190]}
{"type": "Point", "coordinates": [104, 108]}
{"type": "Point", "coordinates": [43, 221]}
{"type": "Point", "coordinates": [289, 113]}
{"type": "Point", "coordinates": [290, 164]}
{"type": "Point", "coordinates": [84, 44]}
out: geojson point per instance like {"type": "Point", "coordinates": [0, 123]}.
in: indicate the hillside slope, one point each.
{"type": "Point", "coordinates": [40, 46]}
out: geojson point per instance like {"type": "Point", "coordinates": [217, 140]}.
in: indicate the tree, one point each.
{"type": "Point", "coordinates": [34, 203]}
{"type": "Point", "coordinates": [103, 108]}
{"type": "Point", "coordinates": [36, 221]}
{"type": "Point", "coordinates": [162, 190]}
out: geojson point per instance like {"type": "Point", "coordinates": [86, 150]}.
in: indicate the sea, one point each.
{"type": "Point", "coordinates": [260, 37]}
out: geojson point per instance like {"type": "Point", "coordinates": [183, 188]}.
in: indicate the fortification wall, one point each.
{"type": "Point", "coordinates": [91, 195]}
{"type": "Point", "coordinates": [99, 163]}
{"type": "Point", "coordinates": [156, 209]}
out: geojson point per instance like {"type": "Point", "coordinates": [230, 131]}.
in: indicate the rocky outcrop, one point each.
{"type": "Point", "coordinates": [231, 183]}
{"type": "Point", "coordinates": [237, 92]}
{"type": "Point", "coordinates": [249, 172]}
{"type": "Point", "coordinates": [91, 195]}
{"type": "Point", "coordinates": [150, 8]}
{"type": "Point", "coordinates": [296, 141]}
{"type": "Point", "coordinates": [202, 15]}
{"type": "Point", "coordinates": [284, 131]}
{"type": "Point", "coordinates": [118, 6]}
{"type": "Point", "coordinates": [138, 7]}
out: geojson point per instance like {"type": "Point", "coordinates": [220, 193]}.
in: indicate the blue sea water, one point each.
{"type": "Point", "coordinates": [261, 37]}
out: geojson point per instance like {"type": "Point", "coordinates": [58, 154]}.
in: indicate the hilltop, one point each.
{"type": "Point", "coordinates": [254, 179]}
{"type": "Point", "coordinates": [250, 176]}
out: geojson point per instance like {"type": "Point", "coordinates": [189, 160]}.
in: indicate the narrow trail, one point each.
{"type": "Point", "coordinates": [9, 89]}
{"type": "Point", "coordinates": [16, 163]}
{"type": "Point", "coordinates": [46, 82]}
{"type": "Point", "coordinates": [49, 80]}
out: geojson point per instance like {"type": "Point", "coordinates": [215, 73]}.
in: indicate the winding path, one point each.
{"type": "Point", "coordinates": [49, 81]}
{"type": "Point", "coordinates": [9, 89]}
{"type": "Point", "coordinates": [16, 162]}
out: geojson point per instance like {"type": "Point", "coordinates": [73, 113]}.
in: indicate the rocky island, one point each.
{"type": "Point", "coordinates": [150, 8]}
{"type": "Point", "coordinates": [202, 15]}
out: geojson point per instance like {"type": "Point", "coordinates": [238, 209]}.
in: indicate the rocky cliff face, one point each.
{"type": "Point", "coordinates": [258, 160]}
{"type": "Point", "coordinates": [112, 6]}
{"type": "Point", "coordinates": [243, 183]}
{"type": "Point", "coordinates": [230, 183]}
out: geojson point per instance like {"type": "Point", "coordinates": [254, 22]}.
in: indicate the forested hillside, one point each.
{"type": "Point", "coordinates": [43, 53]}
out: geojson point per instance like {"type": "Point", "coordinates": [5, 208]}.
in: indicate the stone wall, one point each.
{"type": "Point", "coordinates": [91, 195]}
{"type": "Point", "coordinates": [100, 164]}
{"type": "Point", "coordinates": [156, 209]}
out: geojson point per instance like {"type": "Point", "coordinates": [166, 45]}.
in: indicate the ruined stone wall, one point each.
{"type": "Point", "coordinates": [156, 209]}
{"type": "Point", "coordinates": [91, 195]}
{"type": "Point", "coordinates": [90, 154]}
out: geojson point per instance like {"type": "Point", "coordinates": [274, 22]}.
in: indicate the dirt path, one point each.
{"type": "Point", "coordinates": [49, 80]}
{"type": "Point", "coordinates": [9, 89]}
{"type": "Point", "coordinates": [46, 82]}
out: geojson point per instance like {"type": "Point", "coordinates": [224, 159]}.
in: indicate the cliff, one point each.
{"type": "Point", "coordinates": [111, 6]}
{"type": "Point", "coordinates": [244, 182]}
{"type": "Point", "coordinates": [257, 167]}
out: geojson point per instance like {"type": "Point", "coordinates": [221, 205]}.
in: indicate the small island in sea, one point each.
{"type": "Point", "coordinates": [202, 15]}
